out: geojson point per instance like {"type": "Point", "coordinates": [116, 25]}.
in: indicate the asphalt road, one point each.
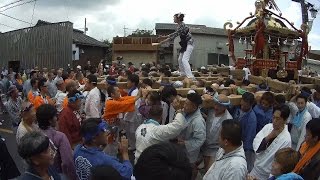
{"type": "Point", "coordinates": [10, 139]}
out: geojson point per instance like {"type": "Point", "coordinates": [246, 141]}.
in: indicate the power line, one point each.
{"type": "Point", "coordinates": [18, 5]}
{"type": "Point", "coordinates": [11, 3]}
{"type": "Point", "coordinates": [15, 18]}
{"type": "Point", "coordinates": [34, 6]}
{"type": "Point", "coordinates": [7, 26]}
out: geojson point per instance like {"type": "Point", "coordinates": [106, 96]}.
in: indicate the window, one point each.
{"type": "Point", "coordinates": [217, 59]}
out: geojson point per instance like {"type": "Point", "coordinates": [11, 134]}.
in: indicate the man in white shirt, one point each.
{"type": "Point", "coordinates": [52, 88]}
{"type": "Point", "coordinates": [269, 140]}
{"type": "Point", "coordinates": [193, 136]}
{"type": "Point", "coordinates": [230, 160]}
{"type": "Point", "coordinates": [61, 95]}
{"type": "Point", "coordinates": [246, 73]}
{"type": "Point", "coordinates": [92, 107]}
{"type": "Point", "coordinates": [151, 132]}
{"type": "Point", "coordinates": [217, 113]}
{"type": "Point", "coordinates": [313, 109]}
{"type": "Point", "coordinates": [27, 84]}
{"type": "Point", "coordinates": [168, 94]}
{"type": "Point", "coordinates": [132, 120]}
{"type": "Point", "coordinates": [58, 77]}
{"type": "Point", "coordinates": [300, 118]}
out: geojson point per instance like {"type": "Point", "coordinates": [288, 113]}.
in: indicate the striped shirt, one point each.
{"type": "Point", "coordinates": [14, 110]}
{"type": "Point", "coordinates": [182, 30]}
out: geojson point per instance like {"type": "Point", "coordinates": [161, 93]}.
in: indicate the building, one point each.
{"type": "Point", "coordinates": [135, 49]}
{"type": "Point", "coordinates": [51, 45]}
{"type": "Point", "coordinates": [86, 48]}
{"type": "Point", "coordinates": [313, 61]}
{"type": "Point", "coordinates": [210, 46]}
{"type": "Point", "coordinates": [314, 54]}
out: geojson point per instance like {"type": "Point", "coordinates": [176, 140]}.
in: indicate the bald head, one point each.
{"type": "Point", "coordinates": [71, 85]}
{"type": "Point", "coordinates": [215, 86]}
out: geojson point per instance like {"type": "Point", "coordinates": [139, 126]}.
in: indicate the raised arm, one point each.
{"type": "Point", "coordinates": [171, 130]}
{"type": "Point", "coordinates": [175, 34]}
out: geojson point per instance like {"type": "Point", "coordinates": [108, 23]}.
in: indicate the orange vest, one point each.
{"type": "Point", "coordinates": [38, 101]}
{"type": "Point", "coordinates": [114, 107]}
{"type": "Point", "coordinates": [31, 97]}
{"type": "Point", "coordinates": [65, 102]}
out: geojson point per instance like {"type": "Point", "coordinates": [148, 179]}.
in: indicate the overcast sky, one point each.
{"type": "Point", "coordinates": [106, 18]}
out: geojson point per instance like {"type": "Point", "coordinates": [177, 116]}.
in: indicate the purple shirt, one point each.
{"type": "Point", "coordinates": [63, 161]}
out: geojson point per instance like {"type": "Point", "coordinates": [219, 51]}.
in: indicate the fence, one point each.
{"type": "Point", "coordinates": [43, 46]}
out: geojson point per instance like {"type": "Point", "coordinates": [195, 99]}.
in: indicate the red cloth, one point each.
{"type": "Point", "coordinates": [69, 124]}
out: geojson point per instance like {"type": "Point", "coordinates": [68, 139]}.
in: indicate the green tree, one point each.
{"type": "Point", "coordinates": [109, 50]}
{"type": "Point", "coordinates": [142, 33]}
{"type": "Point", "coordinates": [108, 43]}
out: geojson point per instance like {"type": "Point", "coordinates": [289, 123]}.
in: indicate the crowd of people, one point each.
{"type": "Point", "coordinates": [68, 128]}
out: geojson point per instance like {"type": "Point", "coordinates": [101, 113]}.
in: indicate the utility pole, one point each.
{"type": "Point", "coordinates": [125, 31]}
{"type": "Point", "coordinates": [304, 10]}
{"type": "Point", "coordinates": [85, 26]}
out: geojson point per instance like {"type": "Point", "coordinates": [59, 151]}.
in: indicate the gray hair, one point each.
{"type": "Point", "coordinates": [32, 143]}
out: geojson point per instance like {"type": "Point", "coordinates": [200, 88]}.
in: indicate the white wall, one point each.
{"type": "Point", "coordinates": [137, 57]}
{"type": "Point", "coordinates": [314, 64]}
{"type": "Point", "coordinates": [76, 55]}
{"type": "Point", "coordinates": [205, 44]}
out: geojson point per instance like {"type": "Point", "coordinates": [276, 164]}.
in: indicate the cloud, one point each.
{"type": "Point", "coordinates": [107, 18]}
{"type": "Point", "coordinates": [72, 4]}
{"type": "Point", "coordinates": [315, 41]}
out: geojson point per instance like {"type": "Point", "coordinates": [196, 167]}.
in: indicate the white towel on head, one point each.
{"type": "Point", "coordinates": [191, 91]}
{"type": "Point", "coordinates": [177, 84]}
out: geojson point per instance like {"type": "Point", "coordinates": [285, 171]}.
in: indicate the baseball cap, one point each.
{"type": "Point", "coordinates": [102, 127]}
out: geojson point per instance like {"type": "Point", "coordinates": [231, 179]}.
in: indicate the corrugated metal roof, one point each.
{"type": "Point", "coordinates": [78, 36]}
{"type": "Point", "coordinates": [195, 29]}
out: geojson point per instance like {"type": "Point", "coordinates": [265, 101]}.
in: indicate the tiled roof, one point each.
{"type": "Point", "coordinates": [80, 38]}
{"type": "Point", "coordinates": [171, 26]}
{"type": "Point", "coordinates": [195, 29]}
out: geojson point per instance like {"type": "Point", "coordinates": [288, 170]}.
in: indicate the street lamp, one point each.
{"type": "Point", "coordinates": [313, 12]}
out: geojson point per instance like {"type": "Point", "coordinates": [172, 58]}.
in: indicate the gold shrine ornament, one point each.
{"type": "Point", "coordinates": [282, 74]}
